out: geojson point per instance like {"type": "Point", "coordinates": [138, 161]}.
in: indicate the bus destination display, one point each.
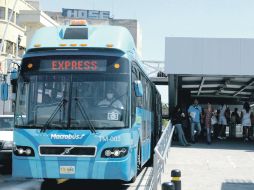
{"type": "Point", "coordinates": [73, 65]}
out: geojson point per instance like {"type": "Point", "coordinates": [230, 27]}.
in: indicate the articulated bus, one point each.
{"type": "Point", "coordinates": [85, 108]}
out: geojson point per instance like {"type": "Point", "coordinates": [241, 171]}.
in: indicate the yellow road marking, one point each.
{"type": "Point", "coordinates": [59, 181]}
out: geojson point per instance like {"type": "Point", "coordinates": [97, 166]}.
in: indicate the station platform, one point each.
{"type": "Point", "coordinates": [223, 165]}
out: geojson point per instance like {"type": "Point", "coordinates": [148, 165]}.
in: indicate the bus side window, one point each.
{"type": "Point", "coordinates": [144, 97]}
{"type": "Point", "coordinates": [135, 100]}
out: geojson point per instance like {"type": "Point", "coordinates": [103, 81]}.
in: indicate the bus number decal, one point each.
{"type": "Point", "coordinates": [109, 139]}
{"type": "Point", "coordinates": [113, 116]}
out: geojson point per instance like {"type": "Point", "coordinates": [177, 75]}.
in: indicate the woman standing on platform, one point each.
{"type": "Point", "coordinates": [177, 120]}
{"type": "Point", "coordinates": [208, 123]}
{"type": "Point", "coordinates": [246, 121]}
{"type": "Point", "coordinates": [222, 122]}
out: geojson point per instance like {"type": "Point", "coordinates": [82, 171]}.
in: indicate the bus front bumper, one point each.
{"type": "Point", "coordinates": [89, 168]}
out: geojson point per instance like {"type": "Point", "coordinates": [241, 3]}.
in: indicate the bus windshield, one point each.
{"type": "Point", "coordinates": [73, 99]}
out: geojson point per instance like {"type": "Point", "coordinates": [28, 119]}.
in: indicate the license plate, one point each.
{"type": "Point", "coordinates": [67, 169]}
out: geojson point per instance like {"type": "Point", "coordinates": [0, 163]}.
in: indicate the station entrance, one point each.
{"type": "Point", "coordinates": [213, 70]}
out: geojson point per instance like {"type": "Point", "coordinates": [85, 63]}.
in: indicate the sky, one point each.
{"type": "Point", "coordinates": [161, 18]}
{"type": "Point", "coordinates": [166, 18]}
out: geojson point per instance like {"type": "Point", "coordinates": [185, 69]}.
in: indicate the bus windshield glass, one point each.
{"type": "Point", "coordinates": [73, 96]}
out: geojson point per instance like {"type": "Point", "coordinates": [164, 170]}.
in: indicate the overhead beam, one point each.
{"type": "Point", "coordinates": [201, 85]}
{"type": "Point", "coordinates": [159, 80]}
{"type": "Point", "coordinates": [204, 88]}
{"type": "Point", "coordinates": [223, 86]}
{"type": "Point", "coordinates": [212, 83]}
{"type": "Point", "coordinates": [218, 96]}
{"type": "Point", "coordinates": [251, 82]}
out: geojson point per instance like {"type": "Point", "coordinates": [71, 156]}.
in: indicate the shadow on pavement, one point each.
{"type": "Point", "coordinates": [85, 184]}
{"type": "Point", "coordinates": [230, 144]}
{"type": "Point", "coordinates": [237, 186]}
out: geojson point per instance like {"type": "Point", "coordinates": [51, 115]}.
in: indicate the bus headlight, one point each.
{"type": "Point", "coordinates": [20, 151]}
{"type": "Point", "coordinates": [114, 152]}
{"type": "Point", "coordinates": [23, 151]}
{"type": "Point", "coordinates": [8, 145]}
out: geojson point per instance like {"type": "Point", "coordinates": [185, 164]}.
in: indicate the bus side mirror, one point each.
{"type": "Point", "coordinates": [138, 88]}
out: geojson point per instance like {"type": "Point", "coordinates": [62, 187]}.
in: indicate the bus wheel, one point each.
{"type": "Point", "coordinates": [138, 165]}
{"type": "Point", "coordinates": [150, 162]}
{"type": "Point", "coordinates": [139, 168]}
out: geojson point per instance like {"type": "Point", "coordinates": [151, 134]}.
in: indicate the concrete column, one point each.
{"type": "Point", "coordinates": [172, 91]}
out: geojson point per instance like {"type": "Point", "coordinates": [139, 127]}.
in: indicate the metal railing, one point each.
{"type": "Point", "coordinates": [160, 156]}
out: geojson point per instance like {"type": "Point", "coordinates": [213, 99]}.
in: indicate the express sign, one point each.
{"type": "Point", "coordinates": [73, 65]}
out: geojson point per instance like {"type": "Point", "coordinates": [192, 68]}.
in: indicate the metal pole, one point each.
{"type": "Point", "coordinates": [168, 186]}
{"type": "Point", "coordinates": [6, 27]}
{"type": "Point", "coordinates": [176, 179]}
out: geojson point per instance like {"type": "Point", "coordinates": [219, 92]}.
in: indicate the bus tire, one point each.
{"type": "Point", "coordinates": [150, 161]}
{"type": "Point", "coordinates": [48, 184]}
{"type": "Point", "coordinates": [139, 167]}
{"type": "Point", "coordinates": [138, 164]}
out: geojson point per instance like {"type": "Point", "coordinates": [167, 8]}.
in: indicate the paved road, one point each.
{"type": "Point", "coordinates": [224, 165]}
{"type": "Point", "coordinates": [9, 183]}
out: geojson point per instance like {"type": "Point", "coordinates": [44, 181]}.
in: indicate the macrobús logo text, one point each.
{"type": "Point", "coordinates": [67, 137]}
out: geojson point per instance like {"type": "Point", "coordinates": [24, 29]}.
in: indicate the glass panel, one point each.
{"type": "Point", "coordinates": [2, 13]}
{"type": "Point", "coordinates": [9, 47]}
{"type": "Point", "coordinates": [6, 123]}
{"type": "Point", "coordinates": [9, 14]}
{"type": "Point", "coordinates": [78, 100]}
{"type": "Point", "coordinates": [43, 99]}
{"type": "Point", "coordinates": [22, 103]}
{"type": "Point", "coordinates": [102, 99]}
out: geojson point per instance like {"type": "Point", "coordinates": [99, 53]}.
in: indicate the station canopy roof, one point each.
{"type": "Point", "coordinates": [217, 86]}
{"type": "Point", "coordinates": [212, 67]}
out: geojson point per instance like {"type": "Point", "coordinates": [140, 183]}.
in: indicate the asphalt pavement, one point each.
{"type": "Point", "coordinates": [223, 165]}
{"type": "Point", "coordinates": [7, 182]}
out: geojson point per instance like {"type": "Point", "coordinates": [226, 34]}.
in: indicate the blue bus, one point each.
{"type": "Point", "coordinates": [85, 109]}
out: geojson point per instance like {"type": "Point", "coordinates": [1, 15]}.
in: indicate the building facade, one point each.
{"type": "Point", "coordinates": [26, 18]}
{"type": "Point", "coordinates": [16, 31]}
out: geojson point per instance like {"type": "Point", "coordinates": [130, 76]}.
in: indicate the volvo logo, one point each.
{"type": "Point", "coordinates": [67, 151]}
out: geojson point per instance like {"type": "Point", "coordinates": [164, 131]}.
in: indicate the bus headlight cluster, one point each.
{"type": "Point", "coordinates": [114, 152]}
{"type": "Point", "coordinates": [23, 151]}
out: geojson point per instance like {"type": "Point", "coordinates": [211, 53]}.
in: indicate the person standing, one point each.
{"type": "Point", "coordinates": [202, 122]}
{"type": "Point", "coordinates": [194, 113]}
{"type": "Point", "coordinates": [222, 122]}
{"type": "Point", "coordinates": [246, 120]}
{"type": "Point", "coordinates": [177, 120]}
{"type": "Point", "coordinates": [235, 119]}
{"type": "Point", "coordinates": [208, 123]}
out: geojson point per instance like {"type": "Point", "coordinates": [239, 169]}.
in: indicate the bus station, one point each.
{"type": "Point", "coordinates": [89, 107]}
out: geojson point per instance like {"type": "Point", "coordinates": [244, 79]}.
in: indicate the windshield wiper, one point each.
{"type": "Point", "coordinates": [85, 116]}
{"type": "Point", "coordinates": [59, 106]}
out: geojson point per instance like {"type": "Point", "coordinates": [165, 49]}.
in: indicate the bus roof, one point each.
{"type": "Point", "coordinates": [64, 37]}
